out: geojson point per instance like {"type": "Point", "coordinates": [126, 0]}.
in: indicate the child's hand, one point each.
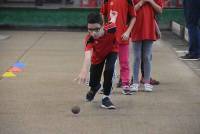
{"type": "Point", "coordinates": [159, 34]}
{"type": "Point", "coordinates": [82, 77]}
{"type": "Point", "coordinates": [113, 16]}
{"type": "Point", "coordinates": [125, 36]}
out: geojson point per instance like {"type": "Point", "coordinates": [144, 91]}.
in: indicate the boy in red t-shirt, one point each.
{"type": "Point", "coordinates": [100, 49]}
{"type": "Point", "coordinates": [125, 22]}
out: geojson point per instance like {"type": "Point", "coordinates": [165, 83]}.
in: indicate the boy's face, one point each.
{"type": "Point", "coordinates": [95, 30]}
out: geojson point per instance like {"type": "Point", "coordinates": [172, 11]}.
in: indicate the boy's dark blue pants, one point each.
{"type": "Point", "coordinates": [96, 72]}
{"type": "Point", "coordinates": [194, 40]}
{"type": "Point", "coordinates": [192, 17]}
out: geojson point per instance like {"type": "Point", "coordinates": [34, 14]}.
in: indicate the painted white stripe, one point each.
{"type": "Point", "coordinates": [197, 69]}
{"type": "Point", "coordinates": [3, 37]}
{"type": "Point", "coordinates": [182, 51]}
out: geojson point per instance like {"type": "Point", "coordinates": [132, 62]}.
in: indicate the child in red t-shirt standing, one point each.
{"type": "Point", "coordinates": [125, 22]}
{"type": "Point", "coordinates": [143, 35]}
{"type": "Point", "coordinates": [100, 50]}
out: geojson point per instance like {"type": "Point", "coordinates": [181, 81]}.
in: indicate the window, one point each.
{"type": "Point", "coordinates": [172, 3]}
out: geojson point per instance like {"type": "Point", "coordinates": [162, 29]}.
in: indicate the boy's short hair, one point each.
{"type": "Point", "coordinates": [94, 18]}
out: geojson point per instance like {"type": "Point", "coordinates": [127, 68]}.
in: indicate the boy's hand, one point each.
{"type": "Point", "coordinates": [82, 77]}
{"type": "Point", "coordinates": [113, 16]}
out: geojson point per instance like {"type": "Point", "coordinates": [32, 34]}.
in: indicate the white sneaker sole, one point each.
{"type": "Point", "coordinates": [127, 92]}
{"type": "Point", "coordinates": [148, 90]}
{"type": "Point", "coordinates": [111, 107]}
{"type": "Point", "coordinates": [134, 90]}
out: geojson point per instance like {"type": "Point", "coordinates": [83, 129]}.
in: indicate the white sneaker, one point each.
{"type": "Point", "coordinates": [134, 87]}
{"type": "Point", "coordinates": [126, 90]}
{"type": "Point", "coordinates": [148, 87]}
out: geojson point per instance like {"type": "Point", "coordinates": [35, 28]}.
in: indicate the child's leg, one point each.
{"type": "Point", "coordinates": [95, 74]}
{"type": "Point", "coordinates": [142, 64]}
{"type": "Point", "coordinates": [115, 73]}
{"type": "Point", "coordinates": [137, 46]}
{"type": "Point", "coordinates": [95, 78]}
{"type": "Point", "coordinates": [124, 64]}
{"type": "Point", "coordinates": [147, 57]}
{"type": "Point", "coordinates": [108, 72]}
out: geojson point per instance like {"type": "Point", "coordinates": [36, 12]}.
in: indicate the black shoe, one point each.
{"type": "Point", "coordinates": [119, 84]}
{"type": "Point", "coordinates": [106, 103]}
{"type": "Point", "coordinates": [90, 95]}
{"type": "Point", "coordinates": [189, 57]}
{"type": "Point", "coordinates": [152, 81]}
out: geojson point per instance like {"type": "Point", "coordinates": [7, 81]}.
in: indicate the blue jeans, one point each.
{"type": "Point", "coordinates": [142, 49]}
{"type": "Point", "coordinates": [194, 40]}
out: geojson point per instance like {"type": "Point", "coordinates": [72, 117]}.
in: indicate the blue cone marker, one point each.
{"type": "Point", "coordinates": [19, 64]}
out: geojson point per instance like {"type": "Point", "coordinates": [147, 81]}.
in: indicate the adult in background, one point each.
{"type": "Point", "coordinates": [192, 15]}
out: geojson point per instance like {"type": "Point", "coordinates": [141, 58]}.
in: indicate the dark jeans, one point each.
{"type": "Point", "coordinates": [96, 72]}
{"type": "Point", "coordinates": [194, 40]}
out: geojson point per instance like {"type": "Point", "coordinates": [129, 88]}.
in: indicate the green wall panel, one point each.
{"type": "Point", "coordinates": [68, 17]}
{"type": "Point", "coordinates": [44, 17]}
{"type": "Point", "coordinates": [171, 14]}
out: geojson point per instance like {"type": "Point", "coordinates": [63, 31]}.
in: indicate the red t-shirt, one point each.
{"type": "Point", "coordinates": [125, 10]}
{"type": "Point", "coordinates": [144, 28]}
{"type": "Point", "coordinates": [102, 46]}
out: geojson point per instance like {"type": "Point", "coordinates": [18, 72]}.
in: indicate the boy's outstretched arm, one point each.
{"type": "Point", "coordinates": [82, 77]}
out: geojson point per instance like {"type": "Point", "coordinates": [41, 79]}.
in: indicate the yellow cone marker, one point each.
{"type": "Point", "coordinates": [9, 75]}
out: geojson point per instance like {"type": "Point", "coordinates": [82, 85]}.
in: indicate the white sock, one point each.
{"type": "Point", "coordinates": [104, 96]}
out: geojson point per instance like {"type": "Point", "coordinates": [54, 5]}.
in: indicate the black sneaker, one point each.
{"type": "Point", "coordinates": [119, 84]}
{"type": "Point", "coordinates": [90, 95]}
{"type": "Point", "coordinates": [106, 103]}
{"type": "Point", "coordinates": [189, 57]}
